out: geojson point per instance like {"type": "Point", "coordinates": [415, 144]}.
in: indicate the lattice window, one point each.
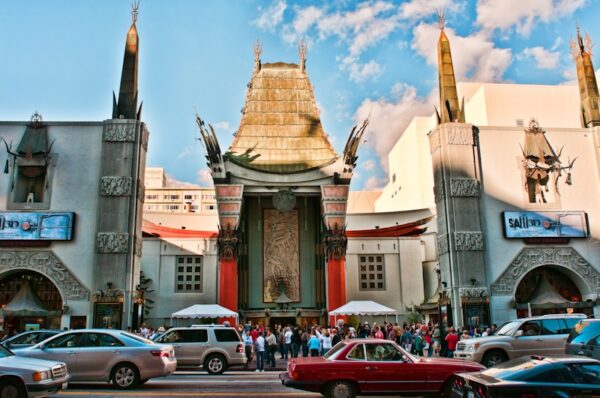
{"type": "Point", "coordinates": [371, 272]}
{"type": "Point", "coordinates": [188, 275]}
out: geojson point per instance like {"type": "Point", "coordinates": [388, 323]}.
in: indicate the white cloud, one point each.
{"type": "Point", "coordinates": [361, 72]}
{"type": "Point", "coordinates": [475, 57]}
{"type": "Point", "coordinates": [272, 16]}
{"type": "Point", "coordinates": [368, 165]}
{"type": "Point", "coordinates": [375, 184]}
{"type": "Point", "coordinates": [422, 8]}
{"type": "Point", "coordinates": [225, 126]}
{"type": "Point", "coordinates": [544, 59]}
{"type": "Point", "coordinates": [388, 119]}
{"type": "Point", "coordinates": [204, 178]}
{"type": "Point", "coordinates": [187, 151]}
{"type": "Point", "coordinates": [174, 183]}
{"type": "Point", "coordinates": [522, 15]}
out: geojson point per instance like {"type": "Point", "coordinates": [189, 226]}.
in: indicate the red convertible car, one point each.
{"type": "Point", "coordinates": [370, 367]}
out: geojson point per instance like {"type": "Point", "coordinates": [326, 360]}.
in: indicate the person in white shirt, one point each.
{"type": "Point", "coordinates": [260, 352]}
{"type": "Point", "coordinates": [287, 336]}
{"type": "Point", "coordinates": [325, 342]}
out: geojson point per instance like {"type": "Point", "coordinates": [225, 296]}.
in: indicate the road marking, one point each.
{"type": "Point", "coordinates": [190, 393]}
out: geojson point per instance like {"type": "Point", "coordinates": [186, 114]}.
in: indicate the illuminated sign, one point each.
{"type": "Point", "coordinates": [36, 226]}
{"type": "Point", "coordinates": [545, 224]}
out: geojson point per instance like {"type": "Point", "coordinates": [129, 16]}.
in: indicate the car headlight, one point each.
{"type": "Point", "coordinates": [471, 346]}
{"type": "Point", "coordinates": [44, 375]}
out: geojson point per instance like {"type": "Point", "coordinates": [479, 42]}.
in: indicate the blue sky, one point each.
{"type": "Point", "coordinates": [63, 58]}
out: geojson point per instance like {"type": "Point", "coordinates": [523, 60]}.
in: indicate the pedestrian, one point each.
{"type": "Point", "coordinates": [437, 340]}
{"type": "Point", "coordinates": [428, 343]}
{"type": "Point", "coordinates": [296, 342]}
{"type": "Point", "coordinates": [335, 337]}
{"type": "Point", "coordinates": [260, 352]}
{"type": "Point", "coordinates": [304, 342]}
{"type": "Point", "coordinates": [248, 344]}
{"type": "Point", "coordinates": [419, 344]}
{"type": "Point", "coordinates": [407, 339]}
{"type": "Point", "coordinates": [314, 345]}
{"type": "Point", "coordinates": [271, 343]}
{"type": "Point", "coordinates": [287, 340]}
{"type": "Point", "coordinates": [451, 339]}
{"type": "Point", "coordinates": [325, 342]}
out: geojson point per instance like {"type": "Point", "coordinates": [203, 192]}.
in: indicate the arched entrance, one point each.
{"type": "Point", "coordinates": [549, 290]}
{"type": "Point", "coordinates": [29, 300]}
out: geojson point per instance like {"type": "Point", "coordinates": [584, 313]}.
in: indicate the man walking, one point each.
{"type": "Point", "coordinates": [271, 342]}
{"type": "Point", "coordinates": [260, 352]}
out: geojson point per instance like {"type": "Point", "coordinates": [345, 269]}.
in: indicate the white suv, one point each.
{"type": "Point", "coordinates": [212, 347]}
{"type": "Point", "coordinates": [542, 335]}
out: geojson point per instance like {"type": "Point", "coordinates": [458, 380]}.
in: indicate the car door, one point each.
{"type": "Point", "coordinates": [528, 339]}
{"type": "Point", "coordinates": [98, 352]}
{"type": "Point", "coordinates": [554, 332]}
{"type": "Point", "coordinates": [64, 348]}
{"type": "Point", "coordinates": [389, 370]}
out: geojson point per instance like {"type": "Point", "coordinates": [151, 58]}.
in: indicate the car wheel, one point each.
{"type": "Point", "coordinates": [125, 376]}
{"type": "Point", "coordinates": [340, 389]}
{"type": "Point", "coordinates": [12, 388]}
{"type": "Point", "coordinates": [493, 358]}
{"type": "Point", "coordinates": [215, 364]}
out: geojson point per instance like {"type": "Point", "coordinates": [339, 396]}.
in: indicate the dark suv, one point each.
{"type": "Point", "coordinates": [212, 347]}
{"type": "Point", "coordinates": [584, 339]}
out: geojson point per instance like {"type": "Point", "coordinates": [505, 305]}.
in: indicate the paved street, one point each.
{"type": "Point", "coordinates": [196, 384]}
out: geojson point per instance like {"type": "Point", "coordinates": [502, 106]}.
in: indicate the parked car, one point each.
{"type": "Point", "coordinates": [372, 366]}
{"type": "Point", "coordinates": [28, 377]}
{"type": "Point", "coordinates": [27, 339]}
{"type": "Point", "coordinates": [541, 335]}
{"type": "Point", "coordinates": [534, 377]}
{"type": "Point", "coordinates": [123, 358]}
{"type": "Point", "coordinates": [584, 339]}
{"type": "Point", "coordinates": [212, 347]}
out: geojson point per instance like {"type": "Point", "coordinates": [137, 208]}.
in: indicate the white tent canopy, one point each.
{"type": "Point", "coordinates": [204, 311]}
{"type": "Point", "coordinates": [363, 308]}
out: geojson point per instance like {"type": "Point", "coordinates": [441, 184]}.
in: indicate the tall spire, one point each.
{"type": "Point", "coordinates": [586, 78]}
{"type": "Point", "coordinates": [302, 53]}
{"type": "Point", "coordinates": [449, 106]}
{"type": "Point", "coordinates": [257, 53]}
{"type": "Point", "coordinates": [126, 106]}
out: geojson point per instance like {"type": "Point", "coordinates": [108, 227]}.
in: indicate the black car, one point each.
{"type": "Point", "coordinates": [584, 339]}
{"type": "Point", "coordinates": [532, 377]}
{"type": "Point", "coordinates": [27, 339]}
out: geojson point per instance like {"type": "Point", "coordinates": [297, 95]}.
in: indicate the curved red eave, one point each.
{"type": "Point", "coordinates": [409, 229]}
{"type": "Point", "coordinates": [151, 230]}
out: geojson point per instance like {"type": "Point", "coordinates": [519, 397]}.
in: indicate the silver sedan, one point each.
{"type": "Point", "coordinates": [110, 355]}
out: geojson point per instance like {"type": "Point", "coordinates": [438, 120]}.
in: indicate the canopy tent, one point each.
{"type": "Point", "coordinates": [368, 307]}
{"type": "Point", "coordinates": [26, 303]}
{"type": "Point", "coordinates": [204, 311]}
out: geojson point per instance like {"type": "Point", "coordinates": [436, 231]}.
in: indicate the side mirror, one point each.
{"type": "Point", "coordinates": [519, 333]}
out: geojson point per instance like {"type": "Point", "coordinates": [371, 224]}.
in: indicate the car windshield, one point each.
{"type": "Point", "coordinates": [577, 330]}
{"type": "Point", "coordinates": [137, 338]}
{"type": "Point", "coordinates": [5, 352]}
{"type": "Point", "coordinates": [512, 370]}
{"type": "Point", "coordinates": [333, 351]}
{"type": "Point", "coordinates": [508, 328]}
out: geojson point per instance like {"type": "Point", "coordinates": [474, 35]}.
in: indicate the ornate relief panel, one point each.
{"type": "Point", "coordinates": [119, 132]}
{"type": "Point", "coordinates": [443, 244]}
{"type": "Point", "coordinates": [115, 186]}
{"type": "Point", "coordinates": [460, 135]}
{"type": "Point", "coordinates": [434, 140]}
{"type": "Point", "coordinates": [112, 242]}
{"type": "Point", "coordinates": [530, 258]}
{"type": "Point", "coordinates": [46, 263]}
{"type": "Point", "coordinates": [281, 255]}
{"type": "Point", "coordinates": [468, 187]}
{"type": "Point", "coordinates": [438, 191]}
{"type": "Point", "coordinates": [468, 241]}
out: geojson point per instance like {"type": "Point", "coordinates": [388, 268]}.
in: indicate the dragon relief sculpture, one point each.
{"type": "Point", "coordinates": [228, 242]}
{"type": "Point", "coordinates": [335, 242]}
{"type": "Point", "coordinates": [542, 165]}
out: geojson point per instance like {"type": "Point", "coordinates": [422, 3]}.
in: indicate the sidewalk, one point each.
{"type": "Point", "coordinates": [280, 365]}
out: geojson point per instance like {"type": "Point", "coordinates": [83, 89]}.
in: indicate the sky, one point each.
{"type": "Point", "coordinates": [365, 58]}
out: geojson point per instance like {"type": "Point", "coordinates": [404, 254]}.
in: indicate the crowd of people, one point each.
{"type": "Point", "coordinates": [422, 339]}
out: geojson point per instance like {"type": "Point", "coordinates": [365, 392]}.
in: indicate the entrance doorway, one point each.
{"type": "Point", "coordinates": [548, 290]}
{"type": "Point", "coordinates": [283, 321]}
{"type": "Point", "coordinates": [35, 290]}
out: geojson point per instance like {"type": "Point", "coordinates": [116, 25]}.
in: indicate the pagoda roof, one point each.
{"type": "Point", "coordinates": [280, 130]}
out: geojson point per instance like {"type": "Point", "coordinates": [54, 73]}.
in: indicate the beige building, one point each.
{"type": "Point", "coordinates": [161, 197]}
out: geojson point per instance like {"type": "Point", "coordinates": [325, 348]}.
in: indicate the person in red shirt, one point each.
{"type": "Point", "coordinates": [254, 333]}
{"type": "Point", "coordinates": [451, 339]}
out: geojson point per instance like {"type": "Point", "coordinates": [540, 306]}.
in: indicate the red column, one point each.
{"type": "Point", "coordinates": [336, 285]}
{"type": "Point", "coordinates": [228, 285]}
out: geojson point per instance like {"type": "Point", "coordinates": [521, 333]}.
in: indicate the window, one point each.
{"type": "Point", "coordinates": [188, 275]}
{"type": "Point", "coordinates": [172, 197]}
{"type": "Point", "coordinates": [382, 352]}
{"type": "Point", "coordinates": [550, 375]}
{"type": "Point", "coordinates": [173, 207]}
{"type": "Point", "coordinates": [394, 177]}
{"type": "Point", "coordinates": [357, 353]}
{"type": "Point", "coordinates": [554, 326]}
{"type": "Point", "coordinates": [194, 336]}
{"type": "Point", "coordinates": [187, 197]}
{"type": "Point", "coordinates": [588, 373]}
{"type": "Point", "coordinates": [531, 328]}
{"type": "Point", "coordinates": [371, 272]}
{"type": "Point", "coordinates": [226, 335]}
{"type": "Point", "coordinates": [64, 341]}
{"type": "Point", "coordinates": [151, 197]}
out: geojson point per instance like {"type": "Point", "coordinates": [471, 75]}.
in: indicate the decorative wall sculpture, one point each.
{"type": "Point", "coordinates": [46, 263]}
{"type": "Point", "coordinates": [281, 255]}
{"type": "Point", "coordinates": [115, 186]}
{"type": "Point", "coordinates": [468, 241]}
{"type": "Point", "coordinates": [112, 242]}
{"type": "Point", "coordinates": [119, 132]}
{"type": "Point", "coordinates": [467, 187]}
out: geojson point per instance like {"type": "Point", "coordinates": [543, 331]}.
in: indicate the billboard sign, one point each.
{"type": "Point", "coordinates": [545, 224]}
{"type": "Point", "coordinates": [36, 226]}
